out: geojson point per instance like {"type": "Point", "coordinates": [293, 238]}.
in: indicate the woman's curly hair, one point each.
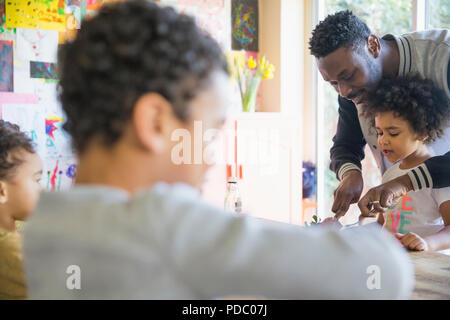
{"type": "Point", "coordinates": [11, 139]}
{"type": "Point", "coordinates": [342, 29]}
{"type": "Point", "coordinates": [129, 49]}
{"type": "Point", "coordinates": [418, 101]}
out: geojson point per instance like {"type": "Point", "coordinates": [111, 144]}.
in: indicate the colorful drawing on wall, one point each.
{"type": "Point", "coordinates": [71, 171]}
{"type": "Point", "coordinates": [2, 12]}
{"type": "Point", "coordinates": [244, 25]}
{"type": "Point", "coordinates": [209, 15]}
{"type": "Point", "coordinates": [6, 66]}
{"type": "Point", "coordinates": [20, 14]}
{"type": "Point", "coordinates": [92, 6]}
{"type": "Point", "coordinates": [51, 15]}
{"type": "Point", "coordinates": [58, 141]}
{"type": "Point", "coordinates": [50, 125]}
{"type": "Point", "coordinates": [37, 45]}
{"type": "Point", "coordinates": [43, 70]}
{"type": "Point", "coordinates": [60, 173]}
{"type": "Point", "coordinates": [5, 32]}
{"type": "Point", "coordinates": [74, 9]}
{"type": "Point", "coordinates": [37, 14]}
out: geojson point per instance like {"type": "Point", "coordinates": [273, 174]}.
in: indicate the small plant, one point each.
{"type": "Point", "coordinates": [316, 221]}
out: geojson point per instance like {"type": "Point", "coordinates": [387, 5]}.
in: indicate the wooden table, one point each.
{"type": "Point", "coordinates": [432, 272]}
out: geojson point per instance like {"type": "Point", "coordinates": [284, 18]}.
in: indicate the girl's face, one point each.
{"type": "Point", "coordinates": [20, 193]}
{"type": "Point", "coordinates": [396, 138]}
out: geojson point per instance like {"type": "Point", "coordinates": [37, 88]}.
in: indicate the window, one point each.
{"type": "Point", "coordinates": [382, 17]}
{"type": "Point", "coordinates": [437, 14]}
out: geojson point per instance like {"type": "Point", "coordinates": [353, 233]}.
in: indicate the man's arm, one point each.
{"type": "Point", "coordinates": [433, 173]}
{"type": "Point", "coordinates": [348, 143]}
{"type": "Point", "coordinates": [241, 256]}
{"type": "Point", "coordinates": [346, 155]}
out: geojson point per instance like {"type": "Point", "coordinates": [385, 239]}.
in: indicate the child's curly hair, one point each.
{"type": "Point", "coordinates": [417, 100]}
{"type": "Point", "coordinates": [11, 138]}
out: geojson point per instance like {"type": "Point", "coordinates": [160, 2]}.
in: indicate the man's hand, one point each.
{"type": "Point", "coordinates": [348, 192]}
{"type": "Point", "coordinates": [412, 241]}
{"type": "Point", "coordinates": [377, 199]}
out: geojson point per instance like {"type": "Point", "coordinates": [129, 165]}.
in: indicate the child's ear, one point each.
{"type": "Point", "coordinates": [3, 192]}
{"type": "Point", "coordinates": [423, 137]}
{"type": "Point", "coordinates": [151, 121]}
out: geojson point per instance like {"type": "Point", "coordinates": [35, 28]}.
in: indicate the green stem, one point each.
{"type": "Point", "coordinates": [249, 101]}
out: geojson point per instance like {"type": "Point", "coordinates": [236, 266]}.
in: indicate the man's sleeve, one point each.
{"type": "Point", "coordinates": [433, 173]}
{"type": "Point", "coordinates": [348, 143]}
{"type": "Point", "coordinates": [239, 256]}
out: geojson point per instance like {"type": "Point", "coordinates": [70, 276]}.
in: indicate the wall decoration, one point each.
{"type": "Point", "coordinates": [59, 173]}
{"type": "Point", "coordinates": [6, 66]}
{"type": "Point", "coordinates": [43, 70]}
{"type": "Point", "coordinates": [35, 14]}
{"type": "Point", "coordinates": [244, 24]}
{"type": "Point", "coordinates": [29, 39]}
{"type": "Point", "coordinates": [210, 16]}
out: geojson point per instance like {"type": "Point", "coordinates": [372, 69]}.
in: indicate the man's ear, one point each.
{"type": "Point", "coordinates": [3, 192]}
{"type": "Point", "coordinates": [151, 118]}
{"type": "Point", "coordinates": [373, 45]}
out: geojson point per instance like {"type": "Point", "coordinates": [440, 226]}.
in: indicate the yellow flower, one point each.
{"type": "Point", "coordinates": [268, 74]}
{"type": "Point", "coordinates": [251, 63]}
{"type": "Point", "coordinates": [236, 63]}
{"type": "Point", "coordinates": [262, 62]}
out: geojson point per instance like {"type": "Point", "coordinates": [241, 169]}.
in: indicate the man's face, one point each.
{"type": "Point", "coordinates": [350, 72]}
{"type": "Point", "coordinates": [208, 113]}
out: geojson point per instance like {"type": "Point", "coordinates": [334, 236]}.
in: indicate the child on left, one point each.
{"type": "Point", "coordinates": [20, 175]}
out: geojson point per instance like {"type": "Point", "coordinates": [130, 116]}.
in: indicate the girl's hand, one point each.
{"type": "Point", "coordinates": [412, 241]}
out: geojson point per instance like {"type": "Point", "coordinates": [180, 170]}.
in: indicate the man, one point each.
{"type": "Point", "coordinates": [353, 61]}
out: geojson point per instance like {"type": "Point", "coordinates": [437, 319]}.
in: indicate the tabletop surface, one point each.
{"type": "Point", "coordinates": [432, 272]}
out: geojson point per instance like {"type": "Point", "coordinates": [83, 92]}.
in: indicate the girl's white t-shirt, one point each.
{"type": "Point", "coordinates": [417, 212]}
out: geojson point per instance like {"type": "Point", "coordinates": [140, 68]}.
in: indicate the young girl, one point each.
{"type": "Point", "coordinates": [408, 113]}
{"type": "Point", "coordinates": [20, 174]}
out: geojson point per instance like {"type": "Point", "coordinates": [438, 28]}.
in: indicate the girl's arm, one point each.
{"type": "Point", "coordinates": [441, 240]}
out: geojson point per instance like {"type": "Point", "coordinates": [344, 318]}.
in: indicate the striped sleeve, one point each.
{"type": "Point", "coordinates": [433, 173]}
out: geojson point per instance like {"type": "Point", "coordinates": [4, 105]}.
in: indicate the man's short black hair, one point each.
{"type": "Point", "coordinates": [127, 50]}
{"type": "Point", "coordinates": [342, 29]}
{"type": "Point", "coordinates": [418, 101]}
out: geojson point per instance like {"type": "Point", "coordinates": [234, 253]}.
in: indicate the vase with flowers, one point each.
{"type": "Point", "coordinates": [250, 73]}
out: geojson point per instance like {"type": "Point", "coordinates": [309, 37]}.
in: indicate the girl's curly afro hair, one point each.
{"type": "Point", "coordinates": [418, 101]}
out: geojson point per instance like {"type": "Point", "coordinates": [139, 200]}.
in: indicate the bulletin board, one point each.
{"type": "Point", "coordinates": [30, 32]}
